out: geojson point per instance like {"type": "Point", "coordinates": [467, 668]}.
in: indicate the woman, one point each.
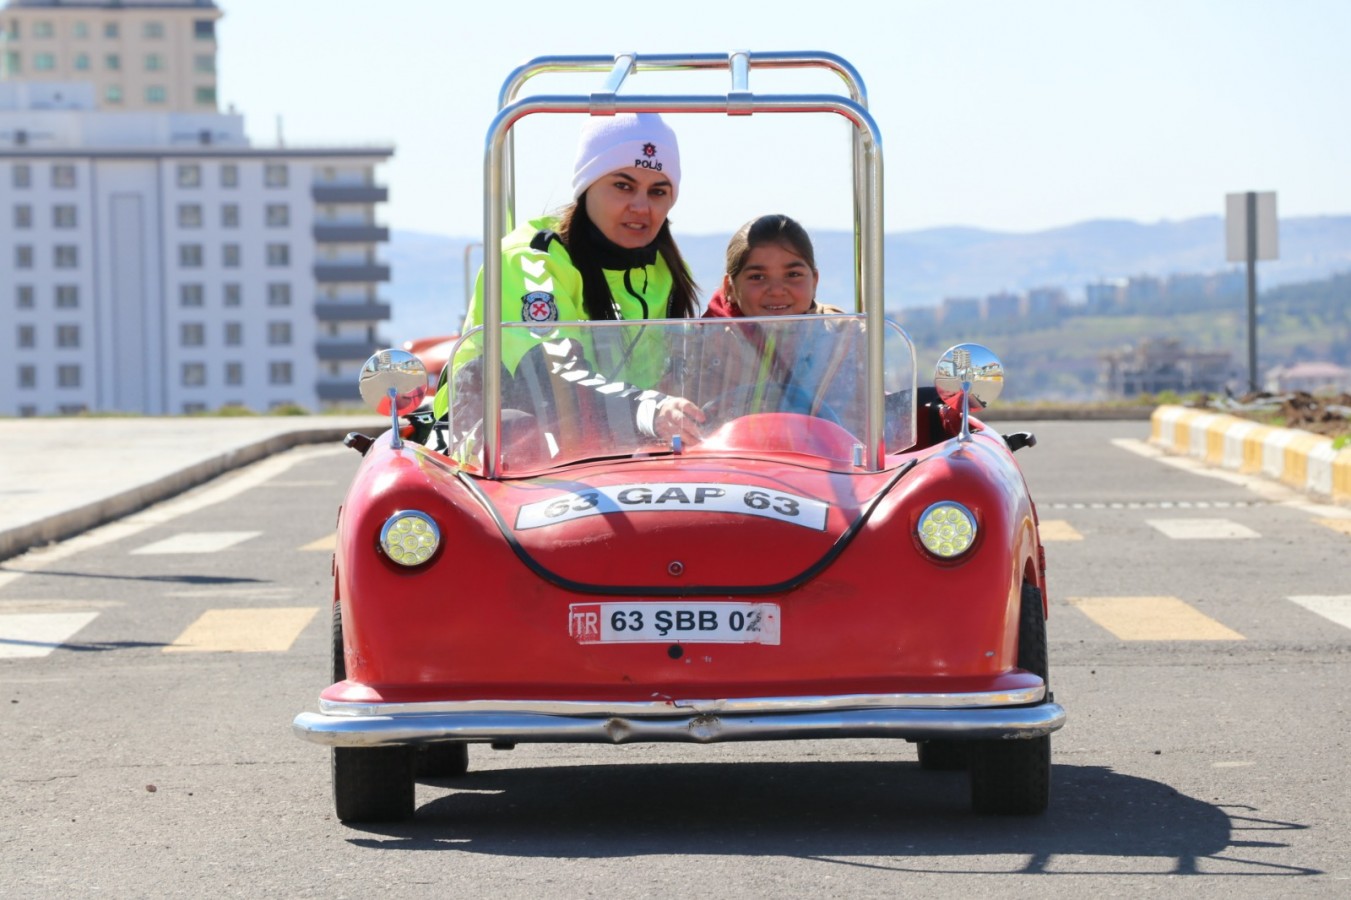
{"type": "Point", "coordinates": [609, 255]}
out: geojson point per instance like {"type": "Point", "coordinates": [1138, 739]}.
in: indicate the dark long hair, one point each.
{"type": "Point", "coordinates": [589, 248]}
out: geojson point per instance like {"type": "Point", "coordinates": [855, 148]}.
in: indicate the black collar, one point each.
{"type": "Point", "coordinates": [612, 256]}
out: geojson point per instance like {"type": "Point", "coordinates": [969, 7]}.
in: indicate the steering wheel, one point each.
{"type": "Point", "coordinates": [796, 399]}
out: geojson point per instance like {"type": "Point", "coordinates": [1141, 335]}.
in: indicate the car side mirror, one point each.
{"type": "Point", "coordinates": [393, 382]}
{"type": "Point", "coordinates": [967, 377]}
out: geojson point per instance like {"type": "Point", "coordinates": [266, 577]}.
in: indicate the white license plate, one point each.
{"type": "Point", "coordinates": [695, 623]}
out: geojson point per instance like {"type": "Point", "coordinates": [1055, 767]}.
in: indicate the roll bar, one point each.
{"type": "Point", "coordinates": [499, 187]}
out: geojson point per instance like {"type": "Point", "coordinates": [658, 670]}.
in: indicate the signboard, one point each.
{"type": "Point", "coordinates": [1236, 225]}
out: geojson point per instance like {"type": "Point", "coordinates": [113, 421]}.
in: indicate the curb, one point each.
{"type": "Point", "coordinates": [71, 522]}
{"type": "Point", "coordinates": [1299, 459]}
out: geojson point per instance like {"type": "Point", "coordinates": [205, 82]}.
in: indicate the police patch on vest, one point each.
{"type": "Point", "coordinates": [539, 306]}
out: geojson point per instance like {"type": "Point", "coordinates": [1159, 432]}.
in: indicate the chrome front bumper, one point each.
{"type": "Point", "coordinates": [983, 716]}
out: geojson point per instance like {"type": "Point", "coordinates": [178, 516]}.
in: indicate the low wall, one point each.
{"type": "Point", "coordinates": [1302, 460]}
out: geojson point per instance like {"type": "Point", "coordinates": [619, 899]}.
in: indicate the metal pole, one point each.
{"type": "Point", "coordinates": [1251, 199]}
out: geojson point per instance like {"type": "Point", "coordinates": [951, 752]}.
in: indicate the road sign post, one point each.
{"type": "Point", "coordinates": [1250, 235]}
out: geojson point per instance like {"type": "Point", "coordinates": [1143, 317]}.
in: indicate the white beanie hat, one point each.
{"type": "Point", "coordinates": [623, 140]}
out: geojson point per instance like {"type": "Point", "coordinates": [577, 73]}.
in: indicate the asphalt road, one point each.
{"type": "Point", "coordinates": [1206, 750]}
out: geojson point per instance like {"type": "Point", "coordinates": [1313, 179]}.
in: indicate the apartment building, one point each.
{"type": "Point", "coordinates": [158, 263]}
{"type": "Point", "coordinates": [138, 54]}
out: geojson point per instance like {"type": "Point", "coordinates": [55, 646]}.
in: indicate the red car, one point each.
{"type": "Point", "coordinates": [846, 554]}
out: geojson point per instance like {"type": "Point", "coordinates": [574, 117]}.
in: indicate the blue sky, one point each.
{"type": "Point", "coordinates": [1014, 115]}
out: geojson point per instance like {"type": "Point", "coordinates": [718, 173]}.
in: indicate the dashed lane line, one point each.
{"type": "Point", "coordinates": [243, 631]}
{"type": "Point", "coordinates": [1152, 619]}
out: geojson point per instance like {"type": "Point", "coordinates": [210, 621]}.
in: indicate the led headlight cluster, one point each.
{"type": "Point", "coordinates": [410, 538]}
{"type": "Point", "coordinates": [947, 529]}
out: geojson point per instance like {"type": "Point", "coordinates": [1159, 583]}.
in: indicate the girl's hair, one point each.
{"type": "Point", "coordinates": [771, 229]}
{"type": "Point", "coordinates": [582, 239]}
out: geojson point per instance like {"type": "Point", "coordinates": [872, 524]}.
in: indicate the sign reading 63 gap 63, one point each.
{"type": "Point", "coordinates": [675, 497]}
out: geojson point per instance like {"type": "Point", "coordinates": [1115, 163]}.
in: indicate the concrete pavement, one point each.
{"type": "Point", "coordinates": [59, 477]}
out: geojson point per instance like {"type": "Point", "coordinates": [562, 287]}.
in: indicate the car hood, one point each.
{"type": "Point", "coordinates": [679, 527]}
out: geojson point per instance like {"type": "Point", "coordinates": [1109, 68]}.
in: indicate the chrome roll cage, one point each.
{"type": "Point", "coordinates": [499, 183]}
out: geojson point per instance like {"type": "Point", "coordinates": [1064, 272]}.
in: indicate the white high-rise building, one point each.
{"type": "Point", "coordinates": [157, 262]}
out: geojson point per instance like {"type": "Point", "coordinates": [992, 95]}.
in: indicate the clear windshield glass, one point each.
{"type": "Point", "coordinates": [588, 390]}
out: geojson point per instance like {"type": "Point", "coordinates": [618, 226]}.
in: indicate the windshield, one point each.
{"type": "Point", "coordinates": [586, 390]}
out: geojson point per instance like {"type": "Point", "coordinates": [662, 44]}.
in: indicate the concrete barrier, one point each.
{"type": "Point", "coordinates": [1304, 461]}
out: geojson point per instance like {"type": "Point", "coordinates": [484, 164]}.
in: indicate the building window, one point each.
{"type": "Point", "coordinates": [155, 94]}
{"type": "Point", "coordinates": [82, 29]}
{"type": "Point", "coordinates": [189, 175]}
{"type": "Point", "coordinates": [43, 29]}
{"type": "Point", "coordinates": [275, 175]}
{"type": "Point", "coordinates": [154, 62]}
{"type": "Point", "coordinates": [112, 62]}
{"type": "Point", "coordinates": [204, 63]}
{"type": "Point", "coordinates": [279, 294]}
{"type": "Point", "coordinates": [229, 175]}
{"type": "Point", "coordinates": [63, 175]}
{"type": "Point", "coordinates": [189, 215]}
{"type": "Point", "coordinates": [204, 30]}
{"type": "Point", "coordinates": [153, 29]}
{"type": "Point", "coordinates": [234, 373]}
{"type": "Point", "coordinates": [233, 294]}
{"type": "Point", "coordinates": [68, 376]}
{"type": "Point", "coordinates": [278, 255]}
{"type": "Point", "coordinates": [192, 409]}
{"type": "Point", "coordinates": [21, 176]}
{"type": "Point", "coordinates": [28, 376]}
{"type": "Point", "coordinates": [278, 333]}
{"type": "Point", "coordinates": [112, 94]}
{"type": "Point", "coordinates": [66, 256]}
{"type": "Point", "coordinates": [67, 335]}
{"type": "Point", "coordinates": [67, 296]}
{"type": "Point", "coordinates": [44, 62]}
{"type": "Point", "coordinates": [234, 334]}
{"type": "Point", "coordinates": [190, 256]}
{"type": "Point", "coordinates": [27, 337]}
{"type": "Point", "coordinates": [191, 295]}
{"type": "Point", "coordinates": [82, 62]}
{"type": "Point", "coordinates": [23, 256]}
{"type": "Point", "coordinates": [278, 215]}
{"type": "Point", "coordinates": [110, 30]}
{"type": "Point", "coordinates": [230, 256]}
{"type": "Point", "coordinates": [194, 374]}
{"type": "Point", "coordinates": [191, 334]}
{"type": "Point", "coordinates": [229, 215]}
{"type": "Point", "coordinates": [279, 373]}
{"type": "Point", "coordinates": [64, 216]}
{"type": "Point", "coordinates": [23, 296]}
{"type": "Point", "coordinates": [13, 63]}
{"type": "Point", "coordinates": [23, 216]}
{"type": "Point", "coordinates": [205, 96]}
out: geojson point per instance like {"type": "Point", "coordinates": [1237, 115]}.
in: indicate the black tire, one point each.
{"type": "Point", "coordinates": [942, 756]}
{"type": "Point", "coordinates": [373, 784]}
{"type": "Point", "coordinates": [1013, 777]}
{"type": "Point", "coordinates": [441, 760]}
{"type": "Point", "coordinates": [337, 663]}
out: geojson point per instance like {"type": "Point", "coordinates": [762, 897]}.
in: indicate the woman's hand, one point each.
{"type": "Point", "coordinates": [678, 416]}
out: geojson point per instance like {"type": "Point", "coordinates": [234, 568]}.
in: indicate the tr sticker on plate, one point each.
{"type": "Point", "coordinates": [676, 497]}
{"type": "Point", "coordinates": [699, 623]}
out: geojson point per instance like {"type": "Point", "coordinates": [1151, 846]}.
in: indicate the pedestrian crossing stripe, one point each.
{"type": "Point", "coordinates": [327, 543]}
{"type": "Point", "coordinates": [32, 635]}
{"type": "Point", "coordinates": [243, 631]}
{"type": "Point", "coordinates": [1152, 619]}
{"type": "Point", "coordinates": [1342, 525]}
{"type": "Point", "coordinates": [1058, 530]}
{"type": "Point", "coordinates": [197, 542]}
{"type": "Point", "coordinates": [1334, 609]}
{"type": "Point", "coordinates": [1201, 529]}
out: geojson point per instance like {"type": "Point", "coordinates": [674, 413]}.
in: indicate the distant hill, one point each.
{"type": "Point", "coordinates": [923, 267]}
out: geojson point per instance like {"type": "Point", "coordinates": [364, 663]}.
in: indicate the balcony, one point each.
{"type": "Point", "coordinates": [343, 351]}
{"type": "Point", "coordinates": [349, 193]}
{"type": "Point", "coordinates": [330, 273]}
{"type": "Point", "coordinates": [350, 234]}
{"type": "Point", "coordinates": [351, 312]}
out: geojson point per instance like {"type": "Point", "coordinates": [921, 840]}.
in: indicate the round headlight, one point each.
{"type": "Point", "coordinates": [947, 529]}
{"type": "Point", "coordinates": [410, 538]}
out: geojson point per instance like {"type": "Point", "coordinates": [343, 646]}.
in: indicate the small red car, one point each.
{"type": "Point", "coordinates": [846, 554]}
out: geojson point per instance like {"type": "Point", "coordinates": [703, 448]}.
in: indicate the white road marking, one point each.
{"type": "Point", "coordinates": [29, 635]}
{"type": "Point", "coordinates": [1333, 608]}
{"type": "Point", "coordinates": [1202, 529]}
{"type": "Point", "coordinates": [197, 542]}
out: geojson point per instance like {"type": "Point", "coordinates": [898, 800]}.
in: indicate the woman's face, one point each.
{"type": "Point", "coordinates": [630, 205]}
{"type": "Point", "coordinates": [774, 282]}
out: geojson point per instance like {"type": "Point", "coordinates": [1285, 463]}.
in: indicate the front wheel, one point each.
{"type": "Point", "coordinates": [373, 784]}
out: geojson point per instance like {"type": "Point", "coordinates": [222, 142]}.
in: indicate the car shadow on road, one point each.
{"type": "Point", "coordinates": [842, 810]}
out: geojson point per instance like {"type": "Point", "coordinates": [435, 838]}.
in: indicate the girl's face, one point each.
{"type": "Point", "coordinates": [630, 205]}
{"type": "Point", "coordinates": [775, 281]}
